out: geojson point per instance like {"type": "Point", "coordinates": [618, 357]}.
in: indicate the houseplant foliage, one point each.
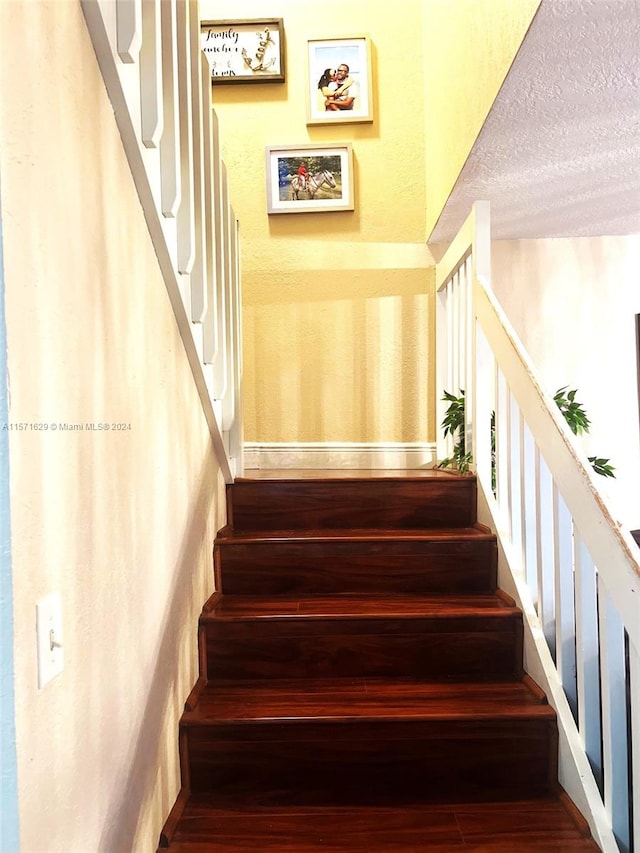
{"type": "Point", "coordinates": [453, 424]}
{"type": "Point", "coordinates": [579, 423]}
{"type": "Point", "coordinates": [574, 413]}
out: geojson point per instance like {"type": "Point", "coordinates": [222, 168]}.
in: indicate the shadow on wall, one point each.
{"type": "Point", "coordinates": [175, 665]}
{"type": "Point", "coordinates": [339, 369]}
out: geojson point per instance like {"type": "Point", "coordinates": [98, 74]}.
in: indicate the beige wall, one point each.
{"type": "Point", "coordinates": [120, 523]}
{"type": "Point", "coordinates": [337, 306]}
{"type": "Point", "coordinates": [469, 48]}
{"type": "Point", "coordinates": [573, 304]}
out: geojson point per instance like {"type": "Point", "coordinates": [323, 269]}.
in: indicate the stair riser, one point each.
{"type": "Point", "coordinates": [341, 504]}
{"type": "Point", "coordinates": [370, 763]}
{"type": "Point", "coordinates": [355, 647]}
{"type": "Point", "coordinates": [422, 568]}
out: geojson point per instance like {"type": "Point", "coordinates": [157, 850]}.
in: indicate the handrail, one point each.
{"type": "Point", "coordinates": [159, 83]}
{"type": "Point", "coordinates": [576, 570]}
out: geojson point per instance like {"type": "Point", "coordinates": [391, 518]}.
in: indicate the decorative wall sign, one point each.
{"type": "Point", "coordinates": [339, 88]}
{"type": "Point", "coordinates": [244, 51]}
{"type": "Point", "coordinates": [309, 178]}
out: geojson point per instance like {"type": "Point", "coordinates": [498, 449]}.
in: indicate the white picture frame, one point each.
{"type": "Point", "coordinates": [328, 101]}
{"type": "Point", "coordinates": [328, 185]}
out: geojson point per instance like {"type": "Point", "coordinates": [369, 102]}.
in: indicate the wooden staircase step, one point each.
{"type": "Point", "coordinates": [478, 636]}
{"type": "Point", "coordinates": [367, 606]}
{"type": "Point", "coordinates": [521, 826]}
{"type": "Point", "coordinates": [280, 562]}
{"type": "Point", "coordinates": [361, 684]}
{"type": "Point", "coordinates": [363, 536]}
{"type": "Point", "coordinates": [359, 699]}
{"type": "Point", "coordinates": [365, 741]}
{"type": "Point", "coordinates": [338, 503]}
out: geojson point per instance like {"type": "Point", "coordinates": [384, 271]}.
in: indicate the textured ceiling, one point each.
{"type": "Point", "coordinates": [559, 153]}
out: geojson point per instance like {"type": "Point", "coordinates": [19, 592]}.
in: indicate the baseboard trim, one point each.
{"type": "Point", "coordinates": [304, 455]}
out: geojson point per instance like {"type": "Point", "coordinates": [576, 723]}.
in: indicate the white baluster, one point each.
{"type": "Point", "coordinates": [213, 230]}
{"type": "Point", "coordinates": [442, 366]}
{"type": "Point", "coordinates": [469, 338]}
{"type": "Point", "coordinates": [530, 519]}
{"type": "Point", "coordinates": [169, 154]}
{"type": "Point", "coordinates": [587, 663]}
{"type": "Point", "coordinates": [455, 335]}
{"type": "Point", "coordinates": [186, 214]}
{"type": "Point", "coordinates": [236, 433]}
{"type": "Point", "coordinates": [222, 256]}
{"type": "Point", "coordinates": [151, 107]}
{"type": "Point", "coordinates": [565, 607]}
{"type": "Point", "coordinates": [614, 717]}
{"type": "Point", "coordinates": [450, 372]}
{"type": "Point", "coordinates": [463, 321]}
{"type": "Point", "coordinates": [545, 554]}
{"type": "Point", "coordinates": [200, 109]}
{"type": "Point", "coordinates": [516, 467]}
{"type": "Point", "coordinates": [129, 29]}
{"type": "Point", "coordinates": [484, 365]}
{"type": "Point", "coordinates": [230, 397]}
{"type": "Point", "coordinates": [503, 450]}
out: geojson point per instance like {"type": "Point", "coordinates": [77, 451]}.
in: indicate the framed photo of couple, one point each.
{"type": "Point", "coordinates": [339, 88]}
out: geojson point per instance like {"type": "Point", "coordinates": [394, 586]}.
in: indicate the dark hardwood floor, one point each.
{"type": "Point", "coordinates": [361, 684]}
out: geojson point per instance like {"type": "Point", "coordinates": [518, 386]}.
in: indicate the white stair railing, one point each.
{"type": "Point", "coordinates": [574, 570]}
{"type": "Point", "coordinates": [159, 83]}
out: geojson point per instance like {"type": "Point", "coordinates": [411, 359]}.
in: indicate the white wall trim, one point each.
{"type": "Point", "coordinates": [383, 455]}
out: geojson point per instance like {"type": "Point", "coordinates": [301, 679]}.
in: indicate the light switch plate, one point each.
{"type": "Point", "coordinates": [49, 638]}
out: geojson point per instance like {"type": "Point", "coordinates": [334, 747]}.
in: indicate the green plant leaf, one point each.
{"type": "Point", "coordinates": [453, 420]}
{"type": "Point", "coordinates": [573, 412]}
{"type": "Point", "coordinates": [602, 466]}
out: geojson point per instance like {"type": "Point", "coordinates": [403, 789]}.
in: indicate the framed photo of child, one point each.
{"type": "Point", "coordinates": [339, 88]}
{"type": "Point", "coordinates": [310, 178]}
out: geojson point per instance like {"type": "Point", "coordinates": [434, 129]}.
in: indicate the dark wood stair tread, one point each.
{"type": "Point", "coordinates": [365, 475]}
{"type": "Point", "coordinates": [520, 826]}
{"type": "Point", "coordinates": [359, 700]}
{"type": "Point", "coordinates": [347, 605]}
{"type": "Point", "coordinates": [355, 635]}
{"type": "Point", "coordinates": [443, 534]}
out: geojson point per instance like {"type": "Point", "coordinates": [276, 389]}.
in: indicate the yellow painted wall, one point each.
{"type": "Point", "coordinates": [338, 307]}
{"type": "Point", "coordinates": [469, 48]}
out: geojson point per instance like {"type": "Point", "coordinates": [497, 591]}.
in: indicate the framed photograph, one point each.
{"type": "Point", "coordinates": [309, 178]}
{"type": "Point", "coordinates": [339, 81]}
{"type": "Point", "coordinates": [250, 51]}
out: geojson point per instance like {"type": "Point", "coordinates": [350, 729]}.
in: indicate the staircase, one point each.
{"type": "Point", "coordinates": [361, 682]}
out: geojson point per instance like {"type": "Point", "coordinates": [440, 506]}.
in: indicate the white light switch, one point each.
{"type": "Point", "coordinates": [49, 638]}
